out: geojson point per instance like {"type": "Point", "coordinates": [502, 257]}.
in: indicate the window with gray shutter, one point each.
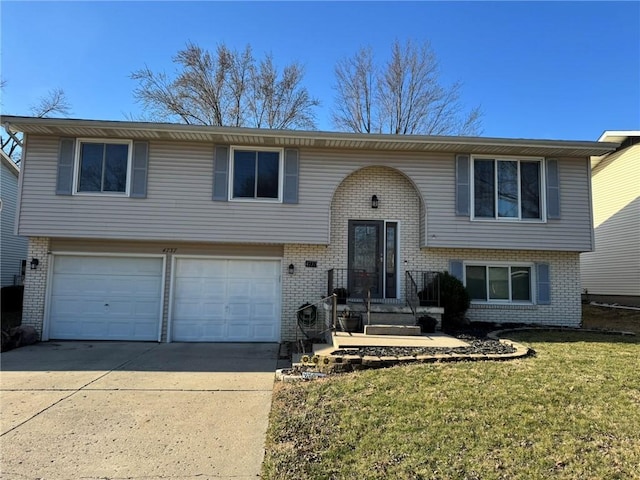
{"type": "Point", "coordinates": [543, 284]}
{"type": "Point", "coordinates": [455, 269]}
{"type": "Point", "coordinates": [64, 183]}
{"type": "Point", "coordinates": [553, 189]}
{"type": "Point", "coordinates": [221, 173]}
{"type": "Point", "coordinates": [139, 170]}
{"type": "Point", "coordinates": [463, 193]}
{"type": "Point", "coordinates": [291, 168]}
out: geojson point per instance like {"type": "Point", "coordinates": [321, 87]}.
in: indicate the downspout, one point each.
{"type": "Point", "coordinates": [7, 128]}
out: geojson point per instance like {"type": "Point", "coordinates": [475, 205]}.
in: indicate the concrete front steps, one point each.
{"type": "Point", "coordinates": [392, 319]}
{"type": "Point", "coordinates": [398, 330]}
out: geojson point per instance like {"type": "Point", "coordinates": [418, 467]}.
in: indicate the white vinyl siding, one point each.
{"type": "Point", "coordinates": [179, 207]}
{"type": "Point", "coordinates": [14, 248]}
{"type": "Point", "coordinates": [614, 267]}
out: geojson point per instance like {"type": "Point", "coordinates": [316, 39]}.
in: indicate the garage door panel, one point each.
{"type": "Point", "coordinates": [225, 299]}
{"type": "Point", "coordinates": [239, 311]}
{"type": "Point", "coordinates": [239, 287]}
{"type": "Point", "coordinates": [263, 331]}
{"type": "Point", "coordinates": [264, 310]}
{"type": "Point", "coordinates": [195, 268]}
{"type": "Point", "coordinates": [105, 298]}
{"type": "Point", "coordinates": [262, 288]}
{"type": "Point", "coordinates": [191, 309]}
{"type": "Point", "coordinates": [240, 331]}
{"type": "Point", "coordinates": [90, 265]}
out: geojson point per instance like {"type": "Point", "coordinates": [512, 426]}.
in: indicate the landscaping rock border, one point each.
{"type": "Point", "coordinates": [482, 346]}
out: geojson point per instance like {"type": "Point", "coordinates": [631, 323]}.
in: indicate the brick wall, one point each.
{"type": "Point", "coordinates": [399, 201]}
{"type": "Point", "coordinates": [35, 284]}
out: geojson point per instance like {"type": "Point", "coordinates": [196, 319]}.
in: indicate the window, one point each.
{"type": "Point", "coordinates": [507, 189]}
{"type": "Point", "coordinates": [103, 167]}
{"type": "Point", "coordinates": [499, 283]}
{"type": "Point", "coordinates": [256, 174]}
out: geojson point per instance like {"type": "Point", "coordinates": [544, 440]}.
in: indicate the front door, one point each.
{"type": "Point", "coordinates": [372, 258]}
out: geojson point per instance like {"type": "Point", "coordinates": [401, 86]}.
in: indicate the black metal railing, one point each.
{"type": "Point", "coordinates": [422, 288]}
{"type": "Point", "coordinates": [424, 285]}
{"type": "Point", "coordinates": [351, 283]}
{"type": "Point", "coordinates": [411, 292]}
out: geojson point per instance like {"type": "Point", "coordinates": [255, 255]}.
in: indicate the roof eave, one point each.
{"type": "Point", "coordinates": [177, 132]}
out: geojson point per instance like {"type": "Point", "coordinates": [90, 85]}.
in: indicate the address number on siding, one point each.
{"type": "Point", "coordinates": [169, 250]}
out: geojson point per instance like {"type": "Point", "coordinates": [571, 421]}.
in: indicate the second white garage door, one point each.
{"type": "Point", "coordinates": [226, 300]}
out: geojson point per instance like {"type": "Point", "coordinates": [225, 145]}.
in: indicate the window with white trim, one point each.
{"type": "Point", "coordinates": [103, 166]}
{"type": "Point", "coordinates": [507, 189]}
{"type": "Point", "coordinates": [499, 283]}
{"type": "Point", "coordinates": [256, 174]}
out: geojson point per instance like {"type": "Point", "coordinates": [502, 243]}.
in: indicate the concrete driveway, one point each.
{"type": "Point", "coordinates": [116, 410]}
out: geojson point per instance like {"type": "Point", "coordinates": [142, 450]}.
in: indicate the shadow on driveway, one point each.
{"type": "Point", "coordinates": [142, 357]}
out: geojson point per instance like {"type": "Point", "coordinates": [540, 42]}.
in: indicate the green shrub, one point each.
{"type": "Point", "coordinates": [455, 300]}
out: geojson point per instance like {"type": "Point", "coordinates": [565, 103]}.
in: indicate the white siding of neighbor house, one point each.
{"type": "Point", "coordinates": [614, 267]}
{"type": "Point", "coordinates": [13, 249]}
{"type": "Point", "coordinates": [179, 206]}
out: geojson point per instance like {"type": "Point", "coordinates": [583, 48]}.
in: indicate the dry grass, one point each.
{"type": "Point", "coordinates": [570, 412]}
{"type": "Point", "coordinates": [611, 318]}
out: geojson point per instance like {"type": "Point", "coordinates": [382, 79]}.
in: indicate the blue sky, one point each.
{"type": "Point", "coordinates": [566, 70]}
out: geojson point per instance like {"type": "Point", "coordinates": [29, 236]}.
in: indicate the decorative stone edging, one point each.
{"type": "Point", "coordinates": [318, 366]}
{"type": "Point", "coordinates": [326, 364]}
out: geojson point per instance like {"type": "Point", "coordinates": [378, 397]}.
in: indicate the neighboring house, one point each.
{"type": "Point", "coordinates": [612, 271]}
{"type": "Point", "coordinates": [13, 249]}
{"type": "Point", "coordinates": [149, 231]}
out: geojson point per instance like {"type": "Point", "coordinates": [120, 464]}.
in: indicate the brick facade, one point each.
{"type": "Point", "coordinates": [35, 284]}
{"type": "Point", "coordinates": [399, 202]}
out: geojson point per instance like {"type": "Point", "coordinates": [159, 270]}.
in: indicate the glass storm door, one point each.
{"type": "Point", "coordinates": [372, 258]}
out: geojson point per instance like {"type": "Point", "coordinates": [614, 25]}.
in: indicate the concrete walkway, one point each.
{"type": "Point", "coordinates": [439, 339]}
{"type": "Point", "coordinates": [112, 410]}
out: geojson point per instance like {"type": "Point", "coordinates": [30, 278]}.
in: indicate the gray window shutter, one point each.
{"type": "Point", "coordinates": [64, 184]}
{"type": "Point", "coordinates": [291, 167]}
{"type": "Point", "coordinates": [553, 189]}
{"type": "Point", "coordinates": [140, 169]}
{"type": "Point", "coordinates": [455, 269]}
{"type": "Point", "coordinates": [544, 284]}
{"type": "Point", "coordinates": [463, 191]}
{"type": "Point", "coordinates": [221, 173]}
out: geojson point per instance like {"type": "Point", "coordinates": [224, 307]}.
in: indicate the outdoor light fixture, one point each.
{"type": "Point", "coordinates": [292, 268]}
{"type": "Point", "coordinates": [374, 201]}
{"type": "Point", "coordinates": [34, 263]}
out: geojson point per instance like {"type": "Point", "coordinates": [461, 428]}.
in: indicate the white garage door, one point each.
{"type": "Point", "coordinates": [105, 298]}
{"type": "Point", "coordinates": [224, 300]}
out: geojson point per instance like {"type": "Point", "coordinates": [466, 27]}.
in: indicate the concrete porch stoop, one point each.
{"type": "Point", "coordinates": [392, 319]}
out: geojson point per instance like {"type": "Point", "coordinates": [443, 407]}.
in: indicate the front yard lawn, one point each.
{"type": "Point", "coordinates": [570, 412]}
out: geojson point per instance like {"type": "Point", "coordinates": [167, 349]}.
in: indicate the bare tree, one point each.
{"type": "Point", "coordinates": [227, 88]}
{"type": "Point", "coordinates": [55, 102]}
{"type": "Point", "coordinates": [403, 96]}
